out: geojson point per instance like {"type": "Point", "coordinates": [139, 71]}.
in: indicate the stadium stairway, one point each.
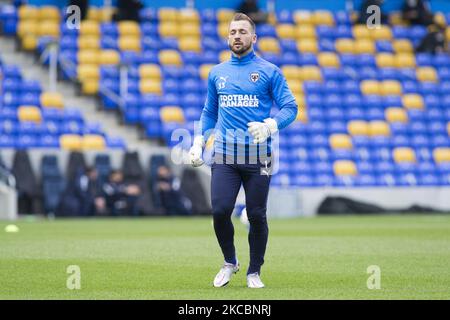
{"type": "Point", "coordinates": [110, 124]}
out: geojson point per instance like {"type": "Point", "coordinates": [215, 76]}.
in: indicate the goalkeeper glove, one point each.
{"type": "Point", "coordinates": [262, 130]}
{"type": "Point", "coordinates": [195, 153]}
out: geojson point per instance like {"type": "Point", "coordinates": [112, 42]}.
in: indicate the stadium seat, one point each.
{"type": "Point", "coordinates": [286, 31]}
{"type": "Point", "coordinates": [171, 114]}
{"type": "Point", "coordinates": [71, 142]}
{"type": "Point", "coordinates": [93, 142]}
{"type": "Point", "coordinates": [29, 113]}
{"type": "Point", "coordinates": [390, 87]}
{"type": "Point", "coordinates": [401, 155]}
{"type": "Point", "coordinates": [108, 57]}
{"type": "Point", "coordinates": [413, 101]}
{"type": "Point", "coordinates": [51, 100]}
{"type": "Point", "coordinates": [426, 74]}
{"type": "Point", "coordinates": [345, 46]}
{"type": "Point", "coordinates": [307, 46]}
{"type": "Point", "coordinates": [150, 86]}
{"type": "Point", "coordinates": [89, 27]}
{"type": "Point", "coordinates": [370, 87]}
{"type": "Point", "coordinates": [379, 128]}
{"type": "Point", "coordinates": [402, 46]}
{"type": "Point", "coordinates": [344, 168]}
{"type": "Point", "coordinates": [170, 57]}
{"type": "Point", "coordinates": [340, 141]}
{"type": "Point", "coordinates": [328, 59]}
{"type": "Point", "coordinates": [358, 128]}
{"type": "Point", "coordinates": [405, 60]}
{"type": "Point", "coordinates": [305, 31]}
{"type": "Point", "coordinates": [395, 114]}
{"type": "Point", "coordinates": [267, 44]}
{"type": "Point", "coordinates": [441, 155]}
{"type": "Point", "coordinates": [129, 43]}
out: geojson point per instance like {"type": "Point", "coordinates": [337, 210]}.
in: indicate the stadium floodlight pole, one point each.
{"type": "Point", "coordinates": [271, 6]}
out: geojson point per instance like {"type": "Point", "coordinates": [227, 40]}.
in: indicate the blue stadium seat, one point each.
{"type": "Point", "coordinates": [324, 180]}
{"type": "Point", "coordinates": [366, 180]}
{"type": "Point", "coordinates": [303, 180]}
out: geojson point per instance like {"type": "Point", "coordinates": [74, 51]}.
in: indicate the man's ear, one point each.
{"type": "Point", "coordinates": [254, 38]}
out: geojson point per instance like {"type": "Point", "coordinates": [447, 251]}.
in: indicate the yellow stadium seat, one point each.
{"type": "Point", "coordinates": [168, 29]}
{"type": "Point", "coordinates": [447, 33]}
{"type": "Point", "coordinates": [89, 27]}
{"type": "Point", "coordinates": [291, 72]}
{"type": "Point", "coordinates": [405, 60]}
{"type": "Point", "coordinates": [71, 142]}
{"type": "Point", "coordinates": [300, 100]}
{"type": "Point", "coordinates": [190, 44]}
{"type": "Point", "coordinates": [361, 31]}
{"type": "Point", "coordinates": [426, 74]}
{"type": "Point", "coordinates": [285, 31]}
{"type": "Point", "coordinates": [51, 99]}
{"type": "Point", "coordinates": [28, 12]}
{"type": "Point", "coordinates": [439, 19]}
{"type": "Point", "coordinates": [88, 71]}
{"type": "Point", "coordinates": [322, 17]}
{"type": "Point", "coordinates": [272, 19]}
{"type": "Point", "coordinates": [108, 57]}
{"type": "Point", "coordinates": [340, 141]}
{"type": "Point", "coordinates": [170, 57]}
{"type": "Point", "coordinates": [296, 86]}
{"type": "Point", "coordinates": [364, 46]}
{"type": "Point", "coordinates": [129, 28]}
{"type": "Point", "coordinates": [187, 15]}
{"type": "Point", "coordinates": [150, 86]}
{"type": "Point", "coordinates": [379, 128]}
{"type": "Point", "coordinates": [93, 142]}
{"type": "Point", "coordinates": [189, 30]}
{"type": "Point", "coordinates": [268, 44]}
{"type": "Point", "coordinates": [441, 155]}
{"type": "Point", "coordinates": [224, 55]}
{"type": "Point", "coordinates": [129, 43]}
{"type": "Point", "coordinates": [305, 31]}
{"type": "Point", "coordinates": [402, 46]}
{"type": "Point", "coordinates": [358, 128]}
{"type": "Point", "coordinates": [150, 71]}
{"type": "Point", "coordinates": [403, 154]}
{"type": "Point", "coordinates": [88, 57]}
{"type": "Point", "coordinates": [382, 33]}
{"type": "Point", "coordinates": [344, 168]}
{"type": "Point", "coordinates": [395, 19]}
{"type": "Point", "coordinates": [168, 14]}
{"type": "Point", "coordinates": [105, 14]}
{"type": "Point", "coordinates": [302, 115]}
{"type": "Point", "coordinates": [222, 30]}
{"type": "Point", "coordinates": [93, 14]}
{"type": "Point", "coordinates": [225, 15]}
{"type": "Point", "coordinates": [49, 28]}
{"type": "Point", "coordinates": [370, 87]}
{"type": "Point", "coordinates": [390, 87]}
{"type": "Point", "coordinates": [345, 46]}
{"type": "Point", "coordinates": [302, 17]}
{"type": "Point", "coordinates": [171, 114]}
{"type": "Point", "coordinates": [204, 70]}
{"type": "Point", "coordinates": [328, 59]}
{"type": "Point", "coordinates": [49, 13]}
{"type": "Point", "coordinates": [307, 46]}
{"type": "Point", "coordinates": [90, 86]}
{"type": "Point", "coordinates": [88, 42]}
{"type": "Point", "coordinates": [27, 27]}
{"type": "Point", "coordinates": [310, 73]}
{"type": "Point", "coordinates": [29, 113]}
{"type": "Point", "coordinates": [396, 114]}
{"type": "Point", "coordinates": [29, 42]}
{"type": "Point", "coordinates": [413, 101]}
{"type": "Point", "coordinates": [385, 60]}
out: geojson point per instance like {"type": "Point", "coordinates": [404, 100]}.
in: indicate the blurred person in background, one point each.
{"type": "Point", "coordinates": [168, 190]}
{"type": "Point", "coordinates": [434, 42]}
{"type": "Point", "coordinates": [128, 10]}
{"type": "Point", "coordinates": [417, 12]}
{"type": "Point", "coordinates": [89, 194]}
{"type": "Point", "coordinates": [251, 9]}
{"type": "Point", "coordinates": [121, 198]}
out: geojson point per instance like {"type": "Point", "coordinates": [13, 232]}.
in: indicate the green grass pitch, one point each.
{"type": "Point", "coordinates": [174, 258]}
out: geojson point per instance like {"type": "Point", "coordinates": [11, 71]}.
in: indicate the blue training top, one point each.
{"type": "Point", "coordinates": [242, 90]}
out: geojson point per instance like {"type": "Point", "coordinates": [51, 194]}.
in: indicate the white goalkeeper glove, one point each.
{"type": "Point", "coordinates": [262, 130]}
{"type": "Point", "coordinates": [195, 153]}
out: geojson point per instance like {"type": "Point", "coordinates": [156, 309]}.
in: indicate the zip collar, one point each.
{"type": "Point", "coordinates": [245, 59]}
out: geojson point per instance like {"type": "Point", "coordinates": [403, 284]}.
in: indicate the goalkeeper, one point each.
{"type": "Point", "coordinates": [241, 92]}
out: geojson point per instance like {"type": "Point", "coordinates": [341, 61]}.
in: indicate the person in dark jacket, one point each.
{"type": "Point", "coordinates": [417, 12]}
{"type": "Point", "coordinates": [88, 193]}
{"type": "Point", "coordinates": [128, 10]}
{"type": "Point", "coordinates": [168, 188]}
{"type": "Point", "coordinates": [251, 9]}
{"type": "Point", "coordinates": [121, 198]}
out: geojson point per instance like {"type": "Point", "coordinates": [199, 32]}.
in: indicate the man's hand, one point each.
{"type": "Point", "coordinates": [262, 130]}
{"type": "Point", "coordinates": [195, 153]}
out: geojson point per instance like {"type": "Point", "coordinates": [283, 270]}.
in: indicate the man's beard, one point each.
{"type": "Point", "coordinates": [241, 50]}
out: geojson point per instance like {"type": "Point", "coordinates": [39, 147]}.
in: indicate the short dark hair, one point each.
{"type": "Point", "coordinates": [243, 17]}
